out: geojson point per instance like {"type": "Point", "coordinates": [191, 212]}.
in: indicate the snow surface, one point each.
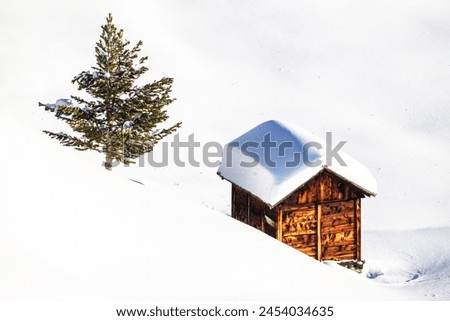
{"type": "Point", "coordinates": [375, 73]}
{"type": "Point", "coordinates": [84, 233]}
{"type": "Point", "coordinates": [272, 173]}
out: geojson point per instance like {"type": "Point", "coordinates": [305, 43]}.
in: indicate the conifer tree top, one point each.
{"type": "Point", "coordinates": [122, 118]}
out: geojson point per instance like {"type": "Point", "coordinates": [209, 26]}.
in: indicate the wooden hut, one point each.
{"type": "Point", "coordinates": [306, 203]}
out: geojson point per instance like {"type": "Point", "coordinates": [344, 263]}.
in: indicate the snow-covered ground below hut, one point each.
{"type": "Point", "coordinates": [415, 261]}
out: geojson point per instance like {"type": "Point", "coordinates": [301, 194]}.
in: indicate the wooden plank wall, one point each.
{"type": "Point", "coordinates": [337, 217]}
{"type": "Point", "coordinates": [250, 210]}
{"type": "Point", "coordinates": [338, 231]}
{"type": "Point", "coordinates": [321, 219]}
{"type": "Point", "coordinates": [325, 232]}
{"type": "Point", "coordinates": [358, 228]}
{"type": "Point", "coordinates": [299, 229]}
{"type": "Point", "coordinates": [240, 204]}
{"type": "Point", "coordinates": [325, 187]}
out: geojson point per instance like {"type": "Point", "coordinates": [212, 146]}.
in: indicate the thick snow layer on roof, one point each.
{"type": "Point", "coordinates": [273, 159]}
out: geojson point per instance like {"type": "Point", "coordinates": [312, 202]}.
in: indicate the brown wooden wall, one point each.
{"type": "Point", "coordinates": [249, 209]}
{"type": "Point", "coordinates": [321, 219]}
{"type": "Point", "coordinates": [325, 187]}
{"type": "Point", "coordinates": [299, 229]}
{"type": "Point", "coordinates": [329, 231]}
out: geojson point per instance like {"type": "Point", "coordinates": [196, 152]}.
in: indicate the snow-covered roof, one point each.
{"type": "Point", "coordinates": [268, 162]}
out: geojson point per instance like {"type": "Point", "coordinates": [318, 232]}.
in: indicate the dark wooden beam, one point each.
{"type": "Point", "coordinates": [248, 209]}
{"type": "Point", "coordinates": [280, 225]}
{"type": "Point", "coordinates": [233, 201]}
{"type": "Point", "coordinates": [358, 228]}
{"type": "Point", "coordinates": [319, 232]}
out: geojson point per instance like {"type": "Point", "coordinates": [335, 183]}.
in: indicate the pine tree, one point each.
{"type": "Point", "coordinates": [122, 118]}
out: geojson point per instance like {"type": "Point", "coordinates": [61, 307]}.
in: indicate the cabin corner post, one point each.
{"type": "Point", "coordinates": [319, 231]}
{"type": "Point", "coordinates": [280, 225]}
{"type": "Point", "coordinates": [357, 207]}
{"type": "Point", "coordinates": [233, 201]}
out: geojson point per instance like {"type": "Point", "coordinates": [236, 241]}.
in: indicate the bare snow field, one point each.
{"type": "Point", "coordinates": [374, 73]}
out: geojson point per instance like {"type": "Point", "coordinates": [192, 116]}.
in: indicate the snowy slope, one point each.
{"type": "Point", "coordinates": [374, 73]}
{"type": "Point", "coordinates": [416, 261]}
{"type": "Point", "coordinates": [86, 233]}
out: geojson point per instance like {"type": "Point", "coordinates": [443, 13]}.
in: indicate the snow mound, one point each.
{"type": "Point", "coordinates": [406, 260]}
